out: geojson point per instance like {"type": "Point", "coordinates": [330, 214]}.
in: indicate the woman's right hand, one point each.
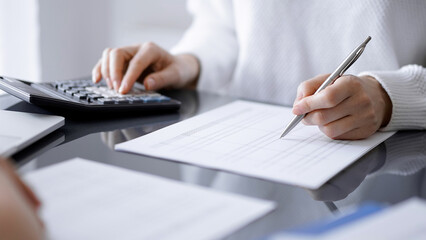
{"type": "Point", "coordinates": [153, 66]}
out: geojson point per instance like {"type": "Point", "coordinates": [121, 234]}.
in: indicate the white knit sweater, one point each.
{"type": "Point", "coordinates": [263, 49]}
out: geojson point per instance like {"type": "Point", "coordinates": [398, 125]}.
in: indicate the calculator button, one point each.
{"type": "Point", "coordinates": [84, 92]}
{"type": "Point", "coordinates": [70, 92]}
{"type": "Point", "coordinates": [136, 100]}
{"type": "Point", "coordinates": [141, 99]}
{"type": "Point", "coordinates": [153, 95]}
{"type": "Point", "coordinates": [62, 88]}
{"type": "Point", "coordinates": [79, 89]}
{"type": "Point", "coordinates": [69, 86]}
{"type": "Point", "coordinates": [151, 99]}
{"type": "Point", "coordinates": [80, 96]}
{"type": "Point", "coordinates": [122, 101]}
{"type": "Point", "coordinates": [94, 96]}
{"type": "Point", "coordinates": [106, 101]}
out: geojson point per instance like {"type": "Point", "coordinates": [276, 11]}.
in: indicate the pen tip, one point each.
{"type": "Point", "coordinates": [284, 133]}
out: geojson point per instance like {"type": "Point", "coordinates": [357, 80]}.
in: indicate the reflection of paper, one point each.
{"type": "Point", "coordinates": [243, 137]}
{"type": "Point", "coordinates": [88, 200]}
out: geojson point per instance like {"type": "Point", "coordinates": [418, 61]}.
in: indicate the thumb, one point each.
{"type": "Point", "coordinates": [308, 87]}
{"type": "Point", "coordinates": [164, 78]}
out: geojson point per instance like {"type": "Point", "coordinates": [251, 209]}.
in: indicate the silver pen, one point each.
{"type": "Point", "coordinates": [353, 56]}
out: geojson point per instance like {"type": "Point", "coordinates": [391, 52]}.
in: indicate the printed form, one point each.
{"type": "Point", "coordinates": [243, 137]}
{"type": "Point", "coordinates": [87, 200]}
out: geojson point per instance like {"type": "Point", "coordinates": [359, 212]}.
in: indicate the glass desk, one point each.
{"type": "Point", "coordinates": [390, 173]}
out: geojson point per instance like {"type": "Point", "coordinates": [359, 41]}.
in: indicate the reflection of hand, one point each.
{"type": "Point", "coordinates": [18, 207]}
{"type": "Point", "coordinates": [118, 136]}
{"type": "Point", "coordinates": [349, 179]}
{"type": "Point", "coordinates": [351, 108]}
{"type": "Point", "coordinates": [122, 67]}
{"type": "Point", "coordinates": [405, 153]}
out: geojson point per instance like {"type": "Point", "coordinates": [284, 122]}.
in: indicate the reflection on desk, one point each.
{"type": "Point", "coordinates": [349, 179]}
{"type": "Point", "coordinates": [405, 154]}
{"type": "Point", "coordinates": [76, 128]}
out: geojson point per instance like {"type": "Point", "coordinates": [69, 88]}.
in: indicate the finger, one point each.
{"type": "Point", "coordinates": [147, 54]}
{"type": "Point", "coordinates": [309, 87]}
{"type": "Point", "coordinates": [165, 78]}
{"type": "Point", "coordinates": [96, 72]}
{"type": "Point", "coordinates": [322, 117]}
{"type": "Point", "coordinates": [105, 67]}
{"type": "Point", "coordinates": [116, 67]}
{"type": "Point", "coordinates": [29, 193]}
{"type": "Point", "coordinates": [327, 98]}
{"type": "Point", "coordinates": [339, 127]}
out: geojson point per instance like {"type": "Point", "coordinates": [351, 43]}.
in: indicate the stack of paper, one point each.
{"type": "Point", "coordinates": [87, 200]}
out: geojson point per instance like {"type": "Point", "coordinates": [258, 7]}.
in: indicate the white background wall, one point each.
{"type": "Point", "coordinates": [19, 39]}
{"type": "Point", "coordinates": [63, 39]}
{"type": "Point", "coordinates": [72, 33]}
{"type": "Point", "coordinates": [161, 20]}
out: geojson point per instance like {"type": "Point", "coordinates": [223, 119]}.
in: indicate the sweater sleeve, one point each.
{"type": "Point", "coordinates": [212, 39]}
{"type": "Point", "coordinates": [406, 88]}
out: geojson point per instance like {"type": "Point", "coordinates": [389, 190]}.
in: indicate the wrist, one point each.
{"type": "Point", "coordinates": [384, 100]}
{"type": "Point", "coordinates": [189, 69]}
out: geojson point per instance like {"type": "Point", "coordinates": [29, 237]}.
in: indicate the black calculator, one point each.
{"type": "Point", "coordinates": [83, 95]}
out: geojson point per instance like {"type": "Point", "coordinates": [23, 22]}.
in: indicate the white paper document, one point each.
{"type": "Point", "coordinates": [403, 221]}
{"type": "Point", "coordinates": [243, 137]}
{"type": "Point", "coordinates": [82, 199]}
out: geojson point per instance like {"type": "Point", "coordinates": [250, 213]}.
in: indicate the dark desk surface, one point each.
{"type": "Point", "coordinates": [392, 172]}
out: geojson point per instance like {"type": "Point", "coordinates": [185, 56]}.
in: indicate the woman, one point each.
{"type": "Point", "coordinates": [265, 50]}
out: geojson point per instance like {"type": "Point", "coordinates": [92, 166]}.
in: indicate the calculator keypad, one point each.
{"type": "Point", "coordinates": [87, 91]}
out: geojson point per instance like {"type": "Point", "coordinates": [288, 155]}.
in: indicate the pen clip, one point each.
{"type": "Point", "coordinates": [357, 55]}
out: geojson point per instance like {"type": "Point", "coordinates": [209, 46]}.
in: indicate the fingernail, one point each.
{"type": "Point", "coordinates": [123, 85]}
{"type": "Point", "coordinates": [115, 85]}
{"type": "Point", "coordinates": [151, 83]}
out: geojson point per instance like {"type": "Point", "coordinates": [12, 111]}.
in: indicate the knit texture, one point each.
{"type": "Point", "coordinates": [262, 50]}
